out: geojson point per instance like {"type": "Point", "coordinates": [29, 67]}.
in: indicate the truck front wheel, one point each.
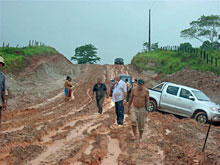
{"type": "Point", "coordinates": [201, 117]}
{"type": "Point", "coordinates": [153, 106]}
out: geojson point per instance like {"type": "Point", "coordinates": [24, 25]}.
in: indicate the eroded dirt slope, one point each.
{"type": "Point", "coordinates": [53, 132]}
{"type": "Point", "coordinates": [207, 82]}
{"type": "Point", "coordinates": [42, 79]}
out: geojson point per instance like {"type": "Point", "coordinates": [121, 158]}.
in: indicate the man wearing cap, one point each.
{"type": "Point", "coordinates": [2, 89]}
{"type": "Point", "coordinates": [119, 97]}
{"type": "Point", "coordinates": [139, 98]}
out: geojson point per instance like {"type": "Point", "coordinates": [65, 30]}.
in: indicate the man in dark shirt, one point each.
{"type": "Point", "coordinates": [2, 90]}
{"type": "Point", "coordinates": [100, 90]}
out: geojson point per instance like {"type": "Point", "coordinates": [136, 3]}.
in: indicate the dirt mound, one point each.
{"type": "Point", "coordinates": [40, 80]}
{"type": "Point", "coordinates": [207, 82]}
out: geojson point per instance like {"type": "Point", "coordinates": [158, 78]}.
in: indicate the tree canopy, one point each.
{"type": "Point", "coordinates": [154, 46]}
{"type": "Point", "coordinates": [86, 54]}
{"type": "Point", "coordinates": [186, 46]}
{"type": "Point", "coordinates": [207, 45]}
{"type": "Point", "coordinates": [204, 28]}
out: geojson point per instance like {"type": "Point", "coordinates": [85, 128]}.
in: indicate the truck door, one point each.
{"type": "Point", "coordinates": [184, 104]}
{"type": "Point", "coordinates": [169, 98]}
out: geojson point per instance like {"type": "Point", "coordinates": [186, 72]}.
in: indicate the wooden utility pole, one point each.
{"type": "Point", "coordinates": [149, 37]}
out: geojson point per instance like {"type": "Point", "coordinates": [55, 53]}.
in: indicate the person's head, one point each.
{"type": "Point", "coordinates": [2, 63]}
{"type": "Point", "coordinates": [117, 78]}
{"type": "Point", "coordinates": [99, 80]}
{"type": "Point", "coordinates": [140, 84]}
{"type": "Point", "coordinates": [135, 80]}
{"type": "Point", "coordinates": [126, 80]}
{"type": "Point", "coordinates": [68, 78]}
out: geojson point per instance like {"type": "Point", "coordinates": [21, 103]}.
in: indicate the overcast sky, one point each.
{"type": "Point", "coordinates": [117, 28]}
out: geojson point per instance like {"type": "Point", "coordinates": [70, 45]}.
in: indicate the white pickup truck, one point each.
{"type": "Point", "coordinates": [183, 101]}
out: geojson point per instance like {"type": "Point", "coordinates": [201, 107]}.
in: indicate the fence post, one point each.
{"type": "Point", "coordinates": [216, 61]}
{"type": "Point", "coordinates": [200, 53]}
{"type": "Point", "coordinates": [204, 55]}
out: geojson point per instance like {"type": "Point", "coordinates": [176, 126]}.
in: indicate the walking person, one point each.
{"type": "Point", "coordinates": [140, 100]}
{"type": "Point", "coordinates": [128, 89]}
{"type": "Point", "coordinates": [100, 90]}
{"type": "Point", "coordinates": [119, 97]}
{"type": "Point", "coordinates": [67, 88]}
{"type": "Point", "coordinates": [3, 100]}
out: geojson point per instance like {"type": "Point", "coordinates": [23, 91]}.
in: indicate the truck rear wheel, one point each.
{"type": "Point", "coordinates": [201, 117]}
{"type": "Point", "coordinates": [153, 106]}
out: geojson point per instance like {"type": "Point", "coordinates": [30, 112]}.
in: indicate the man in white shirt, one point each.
{"type": "Point", "coordinates": [119, 96]}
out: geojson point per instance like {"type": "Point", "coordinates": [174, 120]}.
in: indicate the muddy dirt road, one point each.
{"type": "Point", "coordinates": [54, 133]}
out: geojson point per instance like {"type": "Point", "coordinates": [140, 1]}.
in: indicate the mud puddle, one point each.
{"type": "Point", "coordinates": [113, 152]}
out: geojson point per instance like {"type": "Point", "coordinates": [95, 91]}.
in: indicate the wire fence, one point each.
{"type": "Point", "coordinates": [32, 43]}
{"type": "Point", "coordinates": [210, 60]}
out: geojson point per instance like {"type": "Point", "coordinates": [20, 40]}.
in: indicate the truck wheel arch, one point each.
{"type": "Point", "coordinates": [200, 115]}
{"type": "Point", "coordinates": [197, 111]}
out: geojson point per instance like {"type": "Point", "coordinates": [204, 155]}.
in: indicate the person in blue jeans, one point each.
{"type": "Point", "coordinates": [119, 97]}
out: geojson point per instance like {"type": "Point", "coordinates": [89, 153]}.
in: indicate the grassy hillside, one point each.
{"type": "Point", "coordinates": [172, 61]}
{"type": "Point", "coordinates": [18, 57]}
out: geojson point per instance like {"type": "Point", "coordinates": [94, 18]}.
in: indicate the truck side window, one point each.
{"type": "Point", "coordinates": [185, 93]}
{"type": "Point", "coordinates": [172, 90]}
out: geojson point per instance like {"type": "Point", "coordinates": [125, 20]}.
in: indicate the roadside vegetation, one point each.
{"type": "Point", "coordinates": [172, 61]}
{"type": "Point", "coordinates": [17, 58]}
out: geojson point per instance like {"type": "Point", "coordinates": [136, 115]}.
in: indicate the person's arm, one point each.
{"type": "Point", "coordinates": [112, 88]}
{"type": "Point", "coordinates": [106, 91]}
{"type": "Point", "coordinates": [125, 92]}
{"type": "Point", "coordinates": [130, 101]}
{"type": "Point", "coordinates": [4, 99]}
{"type": "Point", "coordinates": [69, 85]}
{"type": "Point", "coordinates": [148, 98]}
{"type": "Point", "coordinates": [94, 90]}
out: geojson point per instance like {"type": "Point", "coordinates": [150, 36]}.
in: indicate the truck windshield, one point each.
{"type": "Point", "coordinates": [200, 96]}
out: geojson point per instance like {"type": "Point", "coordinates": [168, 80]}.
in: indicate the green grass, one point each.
{"type": "Point", "coordinates": [169, 62]}
{"type": "Point", "coordinates": [16, 58]}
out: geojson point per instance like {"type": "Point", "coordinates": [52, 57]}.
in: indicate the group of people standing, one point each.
{"type": "Point", "coordinates": [121, 93]}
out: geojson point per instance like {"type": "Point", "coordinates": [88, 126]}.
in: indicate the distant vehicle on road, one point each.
{"type": "Point", "coordinates": [119, 61]}
{"type": "Point", "coordinates": [183, 101]}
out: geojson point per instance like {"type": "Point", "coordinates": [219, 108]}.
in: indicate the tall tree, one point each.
{"type": "Point", "coordinates": [205, 27]}
{"type": "Point", "coordinates": [86, 54]}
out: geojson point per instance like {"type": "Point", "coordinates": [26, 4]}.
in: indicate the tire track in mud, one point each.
{"type": "Point", "coordinates": [47, 111]}
{"type": "Point", "coordinates": [72, 133]}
